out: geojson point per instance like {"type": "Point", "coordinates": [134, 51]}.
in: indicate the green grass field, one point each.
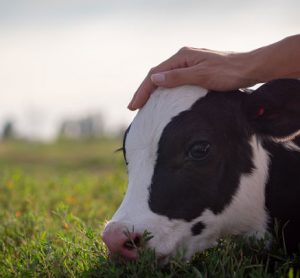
{"type": "Point", "coordinates": [54, 200]}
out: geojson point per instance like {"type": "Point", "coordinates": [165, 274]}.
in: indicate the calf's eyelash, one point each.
{"type": "Point", "coordinates": [119, 150]}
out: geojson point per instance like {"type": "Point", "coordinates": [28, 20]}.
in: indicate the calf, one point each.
{"type": "Point", "coordinates": [204, 164]}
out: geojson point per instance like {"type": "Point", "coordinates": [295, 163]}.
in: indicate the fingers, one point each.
{"type": "Point", "coordinates": [168, 79]}
{"type": "Point", "coordinates": [173, 78]}
{"type": "Point", "coordinates": [142, 94]}
{"type": "Point", "coordinates": [148, 86]}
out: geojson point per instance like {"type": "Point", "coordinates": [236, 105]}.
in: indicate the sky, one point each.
{"type": "Point", "coordinates": [69, 58]}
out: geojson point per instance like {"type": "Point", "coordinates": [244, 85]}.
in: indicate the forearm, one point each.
{"type": "Point", "coordinates": [223, 71]}
{"type": "Point", "coordinates": [278, 60]}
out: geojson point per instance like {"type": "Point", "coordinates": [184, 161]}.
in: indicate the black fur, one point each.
{"type": "Point", "coordinates": [197, 228]}
{"type": "Point", "coordinates": [280, 100]}
{"type": "Point", "coordinates": [283, 192]}
{"type": "Point", "coordinates": [123, 147]}
{"type": "Point", "coordinates": [182, 188]}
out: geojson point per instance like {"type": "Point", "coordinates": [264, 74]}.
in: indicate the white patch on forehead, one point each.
{"type": "Point", "coordinates": [163, 105]}
{"type": "Point", "coordinates": [141, 151]}
{"type": "Point", "coordinates": [145, 131]}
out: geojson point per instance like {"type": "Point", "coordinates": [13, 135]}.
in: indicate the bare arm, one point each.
{"type": "Point", "coordinates": [278, 60]}
{"type": "Point", "coordinates": [222, 71]}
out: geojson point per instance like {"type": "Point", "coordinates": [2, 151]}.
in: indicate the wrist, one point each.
{"type": "Point", "coordinates": [248, 68]}
{"type": "Point", "coordinates": [261, 68]}
{"type": "Point", "coordinates": [278, 60]}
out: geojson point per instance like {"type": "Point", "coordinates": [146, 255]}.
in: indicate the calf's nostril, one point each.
{"type": "Point", "coordinates": [128, 245]}
{"type": "Point", "coordinates": [137, 241]}
{"type": "Point", "coordinates": [132, 243]}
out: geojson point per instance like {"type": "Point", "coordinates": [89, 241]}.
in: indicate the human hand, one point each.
{"type": "Point", "coordinates": [213, 70]}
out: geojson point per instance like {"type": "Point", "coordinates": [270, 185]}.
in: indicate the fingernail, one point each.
{"type": "Point", "coordinates": [131, 106]}
{"type": "Point", "coordinates": [158, 77]}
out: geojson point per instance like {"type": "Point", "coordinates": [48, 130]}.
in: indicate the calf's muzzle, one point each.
{"type": "Point", "coordinates": [120, 241]}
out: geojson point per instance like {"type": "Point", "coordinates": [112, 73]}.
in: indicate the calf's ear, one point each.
{"type": "Point", "coordinates": [274, 109]}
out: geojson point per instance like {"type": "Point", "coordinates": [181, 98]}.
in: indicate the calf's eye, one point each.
{"type": "Point", "coordinates": [199, 150]}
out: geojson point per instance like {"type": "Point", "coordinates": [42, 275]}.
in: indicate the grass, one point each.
{"type": "Point", "coordinates": [54, 200]}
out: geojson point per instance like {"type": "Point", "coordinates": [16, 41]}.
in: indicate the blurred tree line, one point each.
{"type": "Point", "coordinates": [9, 131]}
{"type": "Point", "coordinates": [86, 127]}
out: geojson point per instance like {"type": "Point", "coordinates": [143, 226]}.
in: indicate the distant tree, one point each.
{"type": "Point", "coordinates": [8, 130]}
{"type": "Point", "coordinates": [69, 129]}
{"type": "Point", "coordinates": [91, 126]}
{"type": "Point", "coordinates": [120, 131]}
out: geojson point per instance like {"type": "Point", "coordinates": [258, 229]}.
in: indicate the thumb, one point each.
{"type": "Point", "coordinates": [173, 78]}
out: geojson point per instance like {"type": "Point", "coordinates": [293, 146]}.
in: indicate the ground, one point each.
{"type": "Point", "coordinates": [54, 200]}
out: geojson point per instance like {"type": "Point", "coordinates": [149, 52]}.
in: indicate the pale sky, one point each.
{"type": "Point", "coordinates": [68, 58]}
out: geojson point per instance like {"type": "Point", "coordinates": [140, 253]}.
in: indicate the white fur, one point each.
{"type": "Point", "coordinates": [290, 145]}
{"type": "Point", "coordinates": [287, 138]}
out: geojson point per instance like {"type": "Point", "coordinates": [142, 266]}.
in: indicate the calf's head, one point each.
{"type": "Point", "coordinates": [197, 168]}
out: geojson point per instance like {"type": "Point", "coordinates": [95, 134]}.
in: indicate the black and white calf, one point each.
{"type": "Point", "coordinates": [205, 164]}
